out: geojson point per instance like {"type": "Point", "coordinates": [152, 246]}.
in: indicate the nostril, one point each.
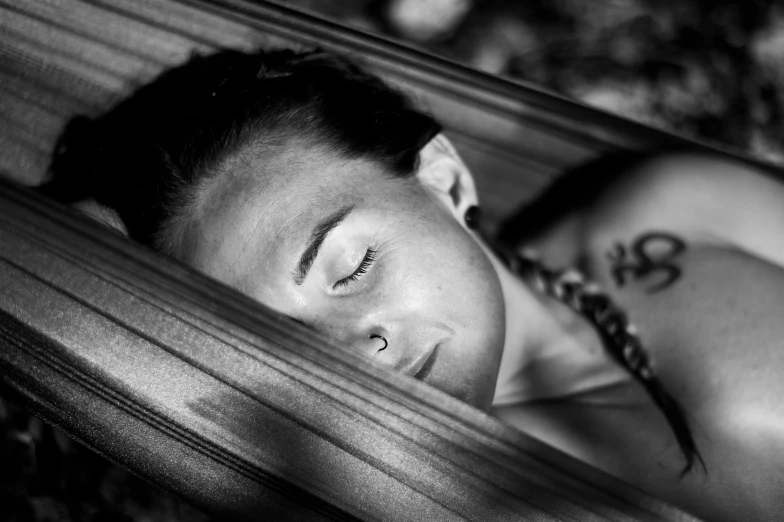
{"type": "Point", "coordinates": [376, 336]}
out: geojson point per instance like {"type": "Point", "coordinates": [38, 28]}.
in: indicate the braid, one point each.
{"type": "Point", "coordinates": [619, 337]}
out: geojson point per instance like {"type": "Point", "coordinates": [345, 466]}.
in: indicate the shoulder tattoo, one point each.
{"type": "Point", "coordinates": [649, 254]}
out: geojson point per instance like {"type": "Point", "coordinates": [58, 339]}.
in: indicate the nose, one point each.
{"type": "Point", "coordinates": [399, 341]}
{"type": "Point", "coordinates": [373, 340]}
{"type": "Point", "coordinates": [391, 344]}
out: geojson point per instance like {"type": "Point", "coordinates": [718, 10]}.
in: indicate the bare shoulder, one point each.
{"type": "Point", "coordinates": [710, 318]}
{"type": "Point", "coordinates": [714, 333]}
{"type": "Point", "coordinates": [704, 199]}
{"type": "Point", "coordinates": [692, 248]}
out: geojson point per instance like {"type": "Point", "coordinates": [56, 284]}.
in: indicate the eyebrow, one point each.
{"type": "Point", "coordinates": [317, 237]}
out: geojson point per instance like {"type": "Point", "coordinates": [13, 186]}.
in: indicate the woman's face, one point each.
{"type": "Point", "coordinates": [360, 255]}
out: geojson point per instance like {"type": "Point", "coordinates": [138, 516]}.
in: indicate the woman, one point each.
{"type": "Point", "coordinates": [311, 186]}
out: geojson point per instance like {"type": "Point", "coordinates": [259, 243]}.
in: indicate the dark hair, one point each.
{"type": "Point", "coordinates": [148, 156]}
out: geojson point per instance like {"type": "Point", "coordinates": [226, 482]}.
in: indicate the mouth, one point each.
{"type": "Point", "coordinates": [424, 364]}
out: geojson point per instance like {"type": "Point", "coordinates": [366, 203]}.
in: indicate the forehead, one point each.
{"type": "Point", "coordinates": [258, 213]}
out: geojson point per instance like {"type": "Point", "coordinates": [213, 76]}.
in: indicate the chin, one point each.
{"type": "Point", "coordinates": [478, 401]}
{"type": "Point", "coordinates": [468, 370]}
{"type": "Point", "coordinates": [478, 398]}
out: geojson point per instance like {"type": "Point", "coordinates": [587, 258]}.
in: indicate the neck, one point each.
{"type": "Point", "coordinates": [550, 350]}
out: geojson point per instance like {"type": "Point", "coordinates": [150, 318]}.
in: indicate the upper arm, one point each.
{"type": "Point", "coordinates": [700, 199]}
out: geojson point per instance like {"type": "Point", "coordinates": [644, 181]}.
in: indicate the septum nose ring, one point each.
{"type": "Point", "coordinates": [386, 343]}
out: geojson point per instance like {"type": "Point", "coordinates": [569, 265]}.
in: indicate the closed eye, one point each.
{"type": "Point", "coordinates": [367, 261]}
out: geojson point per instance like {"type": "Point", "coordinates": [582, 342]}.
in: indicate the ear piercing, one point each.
{"type": "Point", "coordinates": [386, 343]}
{"type": "Point", "coordinates": [472, 217]}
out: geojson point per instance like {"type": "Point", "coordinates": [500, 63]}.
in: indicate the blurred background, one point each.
{"type": "Point", "coordinates": [707, 70]}
{"type": "Point", "coordinates": [710, 70]}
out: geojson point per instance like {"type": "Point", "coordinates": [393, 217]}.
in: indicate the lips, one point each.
{"type": "Point", "coordinates": [425, 370]}
{"type": "Point", "coordinates": [420, 367]}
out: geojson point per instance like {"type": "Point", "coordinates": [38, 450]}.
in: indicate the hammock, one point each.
{"type": "Point", "coordinates": [207, 393]}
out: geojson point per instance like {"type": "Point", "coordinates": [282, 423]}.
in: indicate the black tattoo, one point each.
{"type": "Point", "coordinates": [641, 262]}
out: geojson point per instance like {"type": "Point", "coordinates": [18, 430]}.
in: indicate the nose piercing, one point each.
{"type": "Point", "coordinates": [386, 343]}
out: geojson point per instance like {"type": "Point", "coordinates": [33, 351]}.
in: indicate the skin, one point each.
{"type": "Point", "coordinates": [430, 290]}
{"type": "Point", "coordinates": [435, 303]}
{"type": "Point", "coordinates": [690, 248]}
{"type": "Point", "coordinates": [665, 248]}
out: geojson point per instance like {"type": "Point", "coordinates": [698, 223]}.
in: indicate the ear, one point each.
{"type": "Point", "coordinates": [443, 173]}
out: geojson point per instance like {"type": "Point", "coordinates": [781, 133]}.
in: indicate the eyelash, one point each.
{"type": "Point", "coordinates": [367, 261]}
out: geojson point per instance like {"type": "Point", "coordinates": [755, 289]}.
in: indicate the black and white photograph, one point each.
{"type": "Point", "coordinates": [391, 260]}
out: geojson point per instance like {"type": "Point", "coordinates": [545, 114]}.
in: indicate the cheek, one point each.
{"type": "Point", "coordinates": [472, 297]}
{"type": "Point", "coordinates": [447, 273]}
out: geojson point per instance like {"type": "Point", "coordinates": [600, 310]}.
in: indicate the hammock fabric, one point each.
{"type": "Point", "coordinates": [205, 392]}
